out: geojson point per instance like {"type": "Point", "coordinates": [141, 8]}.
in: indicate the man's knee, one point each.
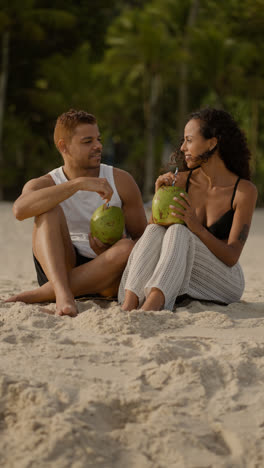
{"type": "Point", "coordinates": [52, 226]}
{"type": "Point", "coordinates": [118, 254]}
{"type": "Point", "coordinates": [53, 215]}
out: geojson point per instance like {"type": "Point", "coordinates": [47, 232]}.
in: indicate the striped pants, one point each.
{"type": "Point", "coordinates": [177, 262]}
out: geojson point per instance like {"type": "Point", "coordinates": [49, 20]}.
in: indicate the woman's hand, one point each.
{"type": "Point", "coordinates": [186, 213]}
{"type": "Point", "coordinates": [165, 179]}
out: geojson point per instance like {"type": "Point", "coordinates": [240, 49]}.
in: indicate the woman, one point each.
{"type": "Point", "coordinates": [199, 258]}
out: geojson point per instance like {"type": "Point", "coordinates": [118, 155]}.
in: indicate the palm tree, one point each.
{"type": "Point", "coordinates": [142, 53]}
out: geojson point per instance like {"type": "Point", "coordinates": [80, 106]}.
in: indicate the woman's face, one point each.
{"type": "Point", "coordinates": [194, 143]}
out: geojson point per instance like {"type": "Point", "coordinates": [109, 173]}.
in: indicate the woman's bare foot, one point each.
{"type": "Point", "coordinates": [155, 300]}
{"type": "Point", "coordinates": [130, 302]}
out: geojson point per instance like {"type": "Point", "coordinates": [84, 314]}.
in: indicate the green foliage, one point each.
{"type": "Point", "coordinates": [64, 82]}
{"type": "Point", "coordinates": [122, 61]}
{"type": "Point", "coordinates": [28, 155]}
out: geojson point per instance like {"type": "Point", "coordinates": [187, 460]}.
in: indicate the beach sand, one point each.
{"type": "Point", "coordinates": [130, 390]}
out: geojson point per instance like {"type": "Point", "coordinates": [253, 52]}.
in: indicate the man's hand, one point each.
{"type": "Point", "coordinates": [97, 184]}
{"type": "Point", "coordinates": [97, 246]}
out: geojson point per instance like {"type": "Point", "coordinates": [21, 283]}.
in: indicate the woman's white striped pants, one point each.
{"type": "Point", "coordinates": [177, 262]}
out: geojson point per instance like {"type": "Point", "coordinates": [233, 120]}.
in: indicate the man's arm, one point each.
{"type": "Point", "coordinates": [42, 194]}
{"type": "Point", "coordinates": [135, 217]}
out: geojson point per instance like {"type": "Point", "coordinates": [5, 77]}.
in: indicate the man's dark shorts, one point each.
{"type": "Point", "coordinates": [42, 278]}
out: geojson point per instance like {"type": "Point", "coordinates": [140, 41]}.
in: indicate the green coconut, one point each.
{"type": "Point", "coordinates": [107, 224]}
{"type": "Point", "coordinates": [163, 198]}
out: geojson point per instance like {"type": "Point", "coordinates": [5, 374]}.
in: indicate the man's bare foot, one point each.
{"type": "Point", "coordinates": [44, 293]}
{"type": "Point", "coordinates": [155, 300]}
{"type": "Point", "coordinates": [110, 292]}
{"type": "Point", "coordinates": [130, 301]}
{"type": "Point", "coordinates": [65, 303]}
{"type": "Point", "coordinates": [26, 296]}
{"type": "Point", "coordinates": [67, 309]}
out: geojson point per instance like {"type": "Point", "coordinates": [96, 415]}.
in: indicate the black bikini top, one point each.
{"type": "Point", "coordinates": [222, 227]}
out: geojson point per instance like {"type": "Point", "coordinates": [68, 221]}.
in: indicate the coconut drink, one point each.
{"type": "Point", "coordinates": [107, 224]}
{"type": "Point", "coordinates": [163, 198]}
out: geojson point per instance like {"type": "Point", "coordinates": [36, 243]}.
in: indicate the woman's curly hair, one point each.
{"type": "Point", "coordinates": [231, 140]}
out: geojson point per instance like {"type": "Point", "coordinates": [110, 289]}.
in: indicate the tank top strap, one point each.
{"type": "Point", "coordinates": [234, 191]}
{"type": "Point", "coordinates": [188, 181]}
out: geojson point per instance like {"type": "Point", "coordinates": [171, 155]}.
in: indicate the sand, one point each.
{"type": "Point", "coordinates": [130, 390]}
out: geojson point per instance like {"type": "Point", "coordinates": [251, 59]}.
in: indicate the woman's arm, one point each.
{"type": "Point", "coordinates": [244, 205]}
{"type": "Point", "coordinates": [167, 179]}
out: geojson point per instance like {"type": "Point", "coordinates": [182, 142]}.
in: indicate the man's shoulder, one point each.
{"type": "Point", "coordinates": [122, 175]}
{"type": "Point", "coordinates": [123, 180]}
{"type": "Point", "coordinates": [126, 186]}
{"type": "Point", "coordinates": [45, 179]}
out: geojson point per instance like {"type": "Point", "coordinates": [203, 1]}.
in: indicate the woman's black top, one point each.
{"type": "Point", "coordinates": [222, 227]}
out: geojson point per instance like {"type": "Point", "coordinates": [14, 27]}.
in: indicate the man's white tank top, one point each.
{"type": "Point", "coordinates": [78, 209]}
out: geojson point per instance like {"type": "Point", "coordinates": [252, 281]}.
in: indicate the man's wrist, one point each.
{"type": "Point", "coordinates": [77, 184]}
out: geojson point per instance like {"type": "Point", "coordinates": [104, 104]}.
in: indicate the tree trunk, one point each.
{"type": "Point", "coordinates": [3, 86]}
{"type": "Point", "coordinates": [151, 120]}
{"type": "Point", "coordinates": [183, 95]}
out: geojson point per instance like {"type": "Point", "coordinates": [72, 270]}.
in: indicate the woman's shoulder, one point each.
{"type": "Point", "coordinates": [246, 190]}
{"type": "Point", "coordinates": [247, 186]}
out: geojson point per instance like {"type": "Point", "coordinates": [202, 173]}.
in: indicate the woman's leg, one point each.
{"type": "Point", "coordinates": [172, 270]}
{"type": "Point", "coordinates": [140, 267]}
{"type": "Point", "coordinates": [187, 266]}
{"type": "Point", "coordinates": [212, 280]}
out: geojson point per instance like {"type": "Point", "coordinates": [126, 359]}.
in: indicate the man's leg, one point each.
{"type": "Point", "coordinates": [101, 275]}
{"type": "Point", "coordinates": [53, 249]}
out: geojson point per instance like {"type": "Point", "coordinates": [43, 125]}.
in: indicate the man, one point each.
{"type": "Point", "coordinates": [68, 260]}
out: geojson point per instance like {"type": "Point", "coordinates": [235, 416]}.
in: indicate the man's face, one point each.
{"type": "Point", "coordinates": [85, 148]}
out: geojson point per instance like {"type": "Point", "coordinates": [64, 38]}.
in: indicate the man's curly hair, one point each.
{"type": "Point", "coordinates": [231, 140]}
